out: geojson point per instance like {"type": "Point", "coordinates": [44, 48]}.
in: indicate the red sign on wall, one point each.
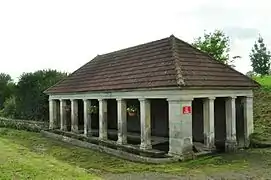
{"type": "Point", "coordinates": [187, 109]}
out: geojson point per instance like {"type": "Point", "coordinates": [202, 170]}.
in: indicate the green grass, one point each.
{"type": "Point", "coordinates": [19, 161]}
{"type": "Point", "coordinates": [28, 155]}
{"type": "Point", "coordinates": [262, 109]}
{"type": "Point", "coordinates": [265, 80]}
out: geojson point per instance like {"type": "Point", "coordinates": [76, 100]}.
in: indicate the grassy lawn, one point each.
{"type": "Point", "coordinates": [28, 155]}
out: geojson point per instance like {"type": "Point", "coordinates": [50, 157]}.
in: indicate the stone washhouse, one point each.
{"type": "Point", "coordinates": [182, 100]}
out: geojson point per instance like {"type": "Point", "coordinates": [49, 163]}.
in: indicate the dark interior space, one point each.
{"type": "Point", "coordinates": [240, 121]}
{"type": "Point", "coordinates": [159, 117]}
{"type": "Point", "coordinates": [58, 113]}
{"type": "Point", "coordinates": [80, 114]}
{"type": "Point", "coordinates": [160, 123]}
{"type": "Point", "coordinates": [197, 120]}
{"type": "Point", "coordinates": [68, 115]}
{"type": "Point", "coordinates": [133, 122]}
{"type": "Point", "coordinates": [220, 123]}
{"type": "Point", "coordinates": [112, 122]}
{"type": "Point", "coordinates": [95, 118]}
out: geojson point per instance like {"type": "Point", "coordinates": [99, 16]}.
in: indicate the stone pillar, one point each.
{"type": "Point", "coordinates": [209, 122]}
{"type": "Point", "coordinates": [63, 115]}
{"type": "Point", "coordinates": [248, 119]}
{"type": "Point", "coordinates": [52, 114]}
{"type": "Point", "coordinates": [87, 117]}
{"type": "Point", "coordinates": [74, 115]}
{"type": "Point", "coordinates": [122, 122]}
{"type": "Point", "coordinates": [180, 127]}
{"type": "Point", "coordinates": [230, 143]}
{"type": "Point", "coordinates": [102, 119]}
{"type": "Point", "coordinates": [145, 124]}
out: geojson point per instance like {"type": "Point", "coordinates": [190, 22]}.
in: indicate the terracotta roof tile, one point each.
{"type": "Point", "coordinates": [168, 62]}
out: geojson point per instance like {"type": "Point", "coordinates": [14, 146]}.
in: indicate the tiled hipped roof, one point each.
{"type": "Point", "coordinates": [168, 62]}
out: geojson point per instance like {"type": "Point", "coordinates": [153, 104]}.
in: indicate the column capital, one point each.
{"type": "Point", "coordinates": [85, 100]}
{"type": "Point", "coordinates": [101, 99]}
{"type": "Point", "coordinates": [211, 98]}
{"type": "Point", "coordinates": [142, 99]}
{"type": "Point", "coordinates": [120, 99]}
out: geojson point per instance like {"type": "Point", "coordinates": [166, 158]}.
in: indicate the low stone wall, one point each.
{"type": "Point", "coordinates": [27, 125]}
{"type": "Point", "coordinates": [115, 152]}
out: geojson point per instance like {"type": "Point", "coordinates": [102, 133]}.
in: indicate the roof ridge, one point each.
{"type": "Point", "coordinates": [218, 62]}
{"type": "Point", "coordinates": [179, 76]}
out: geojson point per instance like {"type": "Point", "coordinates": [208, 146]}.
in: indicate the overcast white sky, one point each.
{"type": "Point", "coordinates": [65, 34]}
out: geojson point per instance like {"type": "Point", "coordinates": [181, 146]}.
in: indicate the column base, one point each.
{"type": "Point", "coordinates": [121, 141]}
{"type": "Point", "coordinates": [88, 134]}
{"type": "Point", "coordinates": [231, 145]}
{"type": "Point", "coordinates": [145, 146]}
{"type": "Point", "coordinates": [103, 137]}
{"type": "Point", "coordinates": [64, 129]}
{"type": "Point", "coordinates": [209, 142]}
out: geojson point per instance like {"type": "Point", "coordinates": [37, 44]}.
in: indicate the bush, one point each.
{"type": "Point", "coordinates": [31, 102]}
{"type": "Point", "coordinates": [9, 109]}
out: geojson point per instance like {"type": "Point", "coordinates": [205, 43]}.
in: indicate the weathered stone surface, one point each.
{"type": "Point", "coordinates": [87, 118]}
{"type": "Point", "coordinates": [102, 119]}
{"type": "Point", "coordinates": [117, 153]}
{"type": "Point", "coordinates": [145, 122]}
{"type": "Point", "coordinates": [74, 115]}
{"type": "Point", "coordinates": [230, 142]}
{"type": "Point", "coordinates": [180, 128]}
{"type": "Point", "coordinates": [52, 114]}
{"type": "Point", "coordinates": [63, 115]}
{"type": "Point", "coordinates": [122, 121]}
{"type": "Point", "coordinates": [248, 119]}
{"type": "Point", "coordinates": [209, 122]}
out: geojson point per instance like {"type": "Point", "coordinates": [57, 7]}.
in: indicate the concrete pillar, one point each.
{"type": "Point", "coordinates": [52, 114]}
{"type": "Point", "coordinates": [87, 117]}
{"type": "Point", "coordinates": [74, 115]}
{"type": "Point", "coordinates": [209, 122]}
{"type": "Point", "coordinates": [145, 124]}
{"type": "Point", "coordinates": [122, 121]}
{"type": "Point", "coordinates": [102, 119]}
{"type": "Point", "coordinates": [63, 115]}
{"type": "Point", "coordinates": [230, 143]}
{"type": "Point", "coordinates": [180, 127]}
{"type": "Point", "coordinates": [248, 119]}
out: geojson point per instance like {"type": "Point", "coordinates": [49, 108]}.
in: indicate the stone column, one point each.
{"type": "Point", "coordinates": [74, 115]}
{"type": "Point", "coordinates": [248, 118]}
{"type": "Point", "coordinates": [63, 115]}
{"type": "Point", "coordinates": [52, 114]}
{"type": "Point", "coordinates": [145, 124]}
{"type": "Point", "coordinates": [87, 117]}
{"type": "Point", "coordinates": [231, 143]}
{"type": "Point", "coordinates": [209, 122]}
{"type": "Point", "coordinates": [180, 127]}
{"type": "Point", "coordinates": [122, 121]}
{"type": "Point", "coordinates": [102, 119]}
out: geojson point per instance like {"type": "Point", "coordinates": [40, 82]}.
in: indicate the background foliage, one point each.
{"type": "Point", "coordinates": [27, 100]}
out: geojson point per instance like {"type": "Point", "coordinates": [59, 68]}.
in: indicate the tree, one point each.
{"type": "Point", "coordinates": [31, 102]}
{"type": "Point", "coordinates": [260, 58]}
{"type": "Point", "coordinates": [215, 44]}
{"type": "Point", "coordinates": [6, 88]}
